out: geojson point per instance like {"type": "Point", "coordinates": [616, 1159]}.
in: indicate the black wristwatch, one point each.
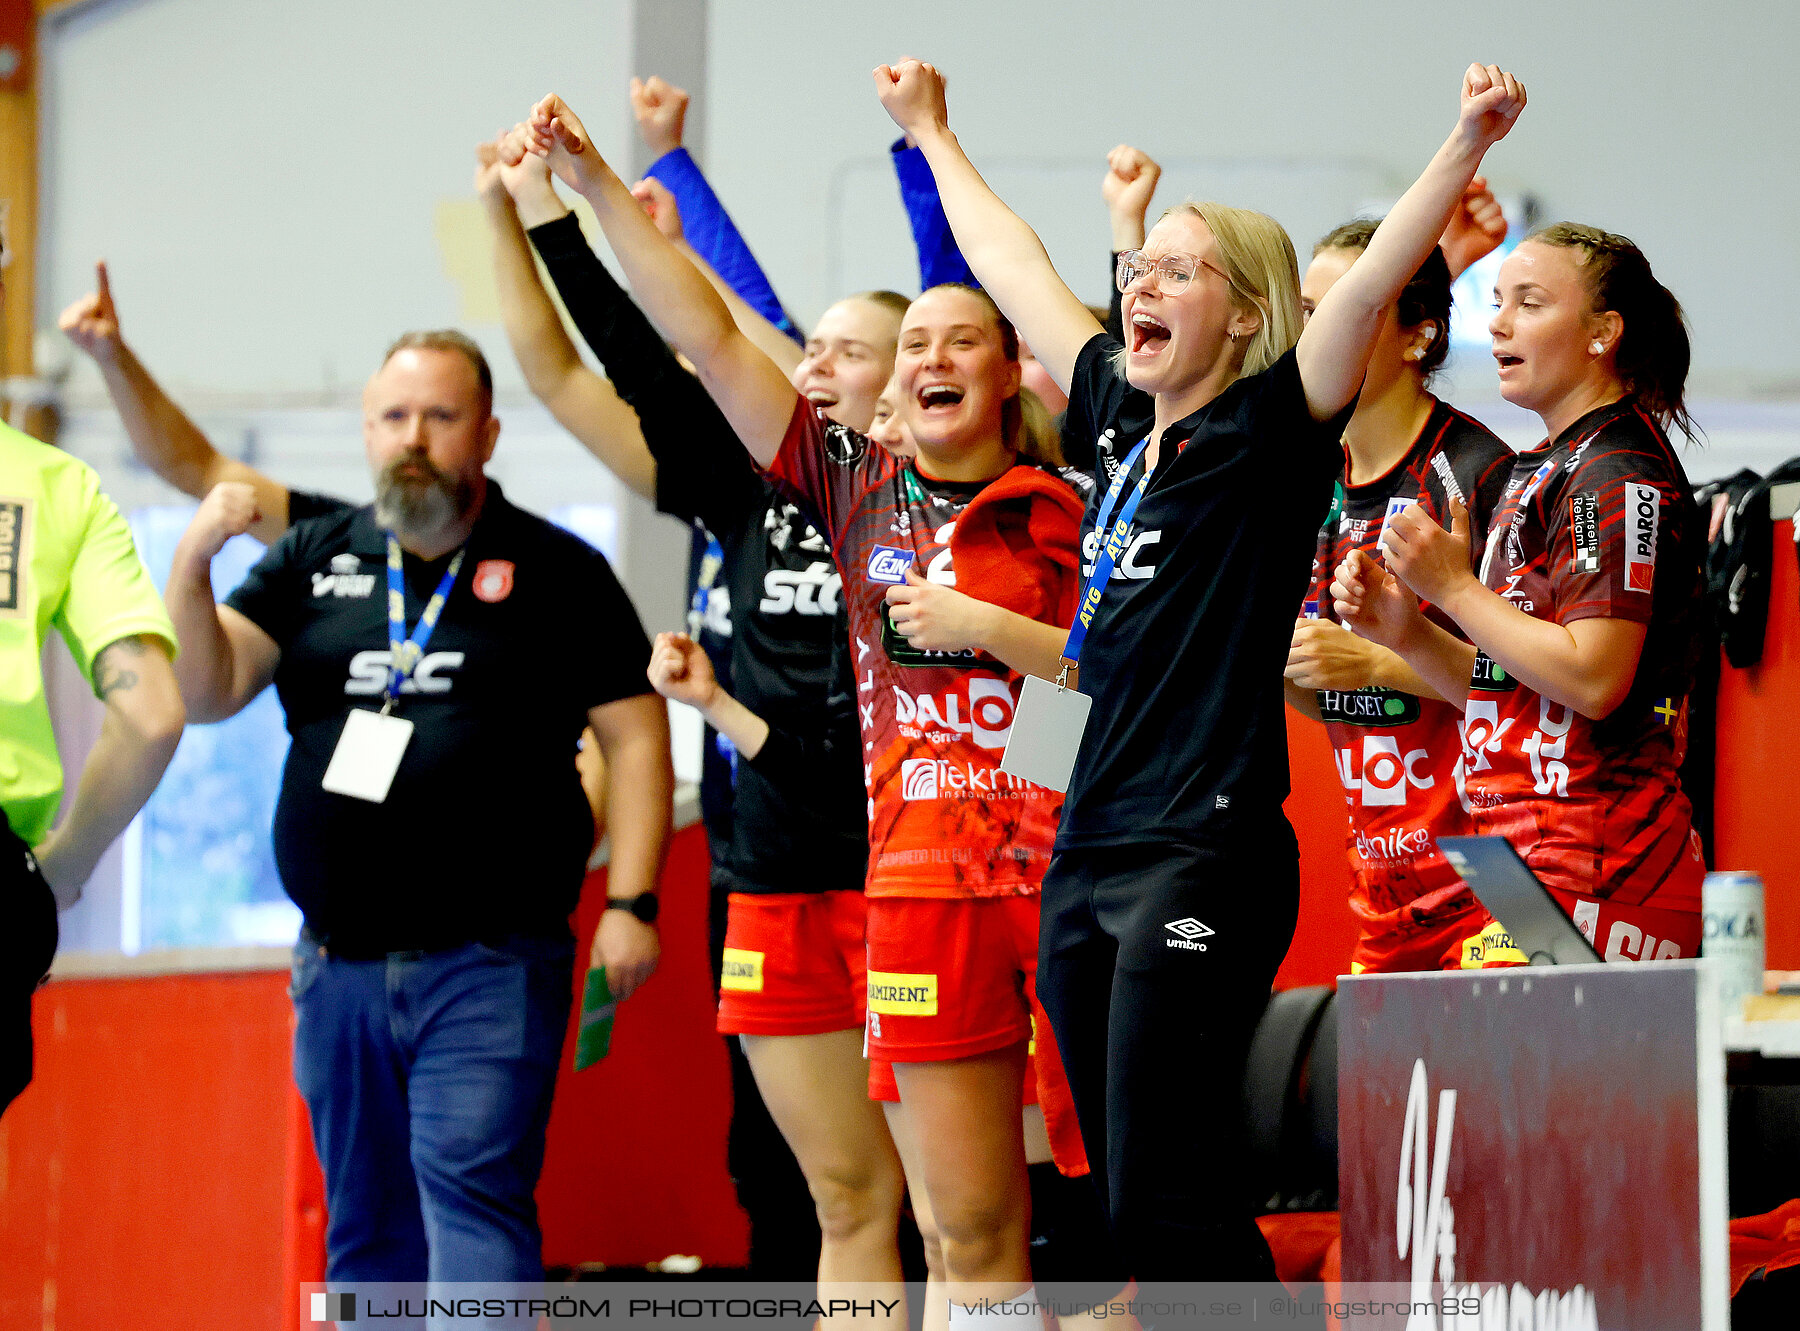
{"type": "Point", "coordinates": [643, 906]}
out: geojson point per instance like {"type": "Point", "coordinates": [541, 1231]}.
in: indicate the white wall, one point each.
{"type": "Point", "coordinates": [281, 190]}
{"type": "Point", "coordinates": [1661, 119]}
{"type": "Point", "coordinates": [268, 181]}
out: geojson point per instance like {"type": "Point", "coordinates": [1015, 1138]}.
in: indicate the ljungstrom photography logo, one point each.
{"type": "Point", "coordinates": [333, 1308]}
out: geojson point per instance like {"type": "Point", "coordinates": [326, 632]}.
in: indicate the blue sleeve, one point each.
{"type": "Point", "coordinates": [715, 237]}
{"type": "Point", "coordinates": [940, 260]}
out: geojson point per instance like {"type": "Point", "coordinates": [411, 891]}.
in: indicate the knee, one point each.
{"type": "Point", "coordinates": [852, 1203]}
{"type": "Point", "coordinates": [974, 1231]}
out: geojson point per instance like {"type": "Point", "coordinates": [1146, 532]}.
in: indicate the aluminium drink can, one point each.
{"type": "Point", "coordinates": [1732, 931]}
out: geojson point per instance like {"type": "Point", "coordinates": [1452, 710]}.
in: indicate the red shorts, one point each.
{"type": "Point", "coordinates": [952, 978]}
{"type": "Point", "coordinates": [794, 963]}
{"type": "Point", "coordinates": [1473, 940]}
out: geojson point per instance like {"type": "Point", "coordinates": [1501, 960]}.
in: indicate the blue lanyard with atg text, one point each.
{"type": "Point", "coordinates": [405, 652]}
{"type": "Point", "coordinates": [1111, 547]}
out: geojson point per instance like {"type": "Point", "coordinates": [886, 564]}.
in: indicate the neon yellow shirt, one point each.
{"type": "Point", "coordinates": [66, 559]}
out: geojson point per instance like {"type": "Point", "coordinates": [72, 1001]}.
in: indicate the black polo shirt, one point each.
{"type": "Point", "coordinates": [486, 830]}
{"type": "Point", "coordinates": [1187, 739]}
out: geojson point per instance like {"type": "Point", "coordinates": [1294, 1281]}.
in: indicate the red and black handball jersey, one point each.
{"type": "Point", "coordinates": [944, 821]}
{"type": "Point", "coordinates": [1396, 753]}
{"type": "Point", "coordinates": [1597, 524]}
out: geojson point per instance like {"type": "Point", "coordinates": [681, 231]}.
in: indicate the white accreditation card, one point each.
{"type": "Point", "coordinates": [368, 754]}
{"type": "Point", "coordinates": [1046, 733]}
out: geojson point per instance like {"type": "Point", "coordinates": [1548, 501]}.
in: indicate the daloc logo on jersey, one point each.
{"type": "Point", "coordinates": [886, 564]}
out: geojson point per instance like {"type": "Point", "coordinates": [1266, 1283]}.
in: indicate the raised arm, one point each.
{"type": "Point", "coordinates": [137, 738]}
{"type": "Point", "coordinates": [1003, 252]}
{"type": "Point", "coordinates": [1128, 186]}
{"type": "Point", "coordinates": [661, 111]}
{"type": "Point", "coordinates": [776, 343]}
{"type": "Point", "coordinates": [161, 434]}
{"type": "Point", "coordinates": [940, 261]}
{"type": "Point", "coordinates": [1333, 352]}
{"type": "Point", "coordinates": [583, 403]}
{"type": "Point", "coordinates": [225, 660]}
{"type": "Point", "coordinates": [750, 389]}
{"type": "Point", "coordinates": [701, 469]}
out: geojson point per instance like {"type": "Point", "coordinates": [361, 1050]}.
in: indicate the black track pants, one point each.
{"type": "Point", "coordinates": [1155, 962]}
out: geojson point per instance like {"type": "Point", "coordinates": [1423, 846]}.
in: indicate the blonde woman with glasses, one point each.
{"type": "Point", "coordinates": [1172, 895]}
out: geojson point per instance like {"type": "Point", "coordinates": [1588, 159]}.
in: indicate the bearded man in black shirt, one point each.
{"type": "Point", "coordinates": [437, 656]}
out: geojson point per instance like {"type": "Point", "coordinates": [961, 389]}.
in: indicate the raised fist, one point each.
{"type": "Point", "coordinates": [488, 184]}
{"type": "Point", "coordinates": [679, 669]}
{"type": "Point", "coordinates": [1491, 101]}
{"type": "Point", "coordinates": [912, 92]}
{"type": "Point", "coordinates": [92, 323]}
{"type": "Point", "coordinates": [555, 133]}
{"type": "Point", "coordinates": [1476, 229]}
{"type": "Point", "coordinates": [659, 204]}
{"type": "Point", "coordinates": [228, 510]}
{"type": "Point", "coordinates": [661, 111]}
{"type": "Point", "coordinates": [1131, 177]}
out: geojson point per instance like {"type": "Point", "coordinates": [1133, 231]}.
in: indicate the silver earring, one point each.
{"type": "Point", "coordinates": [1597, 346]}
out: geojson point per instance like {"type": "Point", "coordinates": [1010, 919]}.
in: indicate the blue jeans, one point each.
{"type": "Point", "coordinates": [428, 1076]}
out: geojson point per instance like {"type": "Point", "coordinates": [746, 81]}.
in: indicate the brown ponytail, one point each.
{"type": "Point", "coordinates": [1653, 352]}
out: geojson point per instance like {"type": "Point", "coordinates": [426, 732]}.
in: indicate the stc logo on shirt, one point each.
{"type": "Point", "coordinates": [1131, 563]}
{"type": "Point", "coordinates": [1386, 773]}
{"type": "Point", "coordinates": [369, 673]}
{"type": "Point", "coordinates": [940, 718]}
{"type": "Point", "coordinates": [813, 592]}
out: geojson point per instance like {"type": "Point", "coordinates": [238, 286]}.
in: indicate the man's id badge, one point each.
{"type": "Point", "coordinates": [1046, 733]}
{"type": "Point", "coordinates": [368, 754]}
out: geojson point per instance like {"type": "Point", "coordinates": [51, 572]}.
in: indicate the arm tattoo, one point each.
{"type": "Point", "coordinates": [111, 673]}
